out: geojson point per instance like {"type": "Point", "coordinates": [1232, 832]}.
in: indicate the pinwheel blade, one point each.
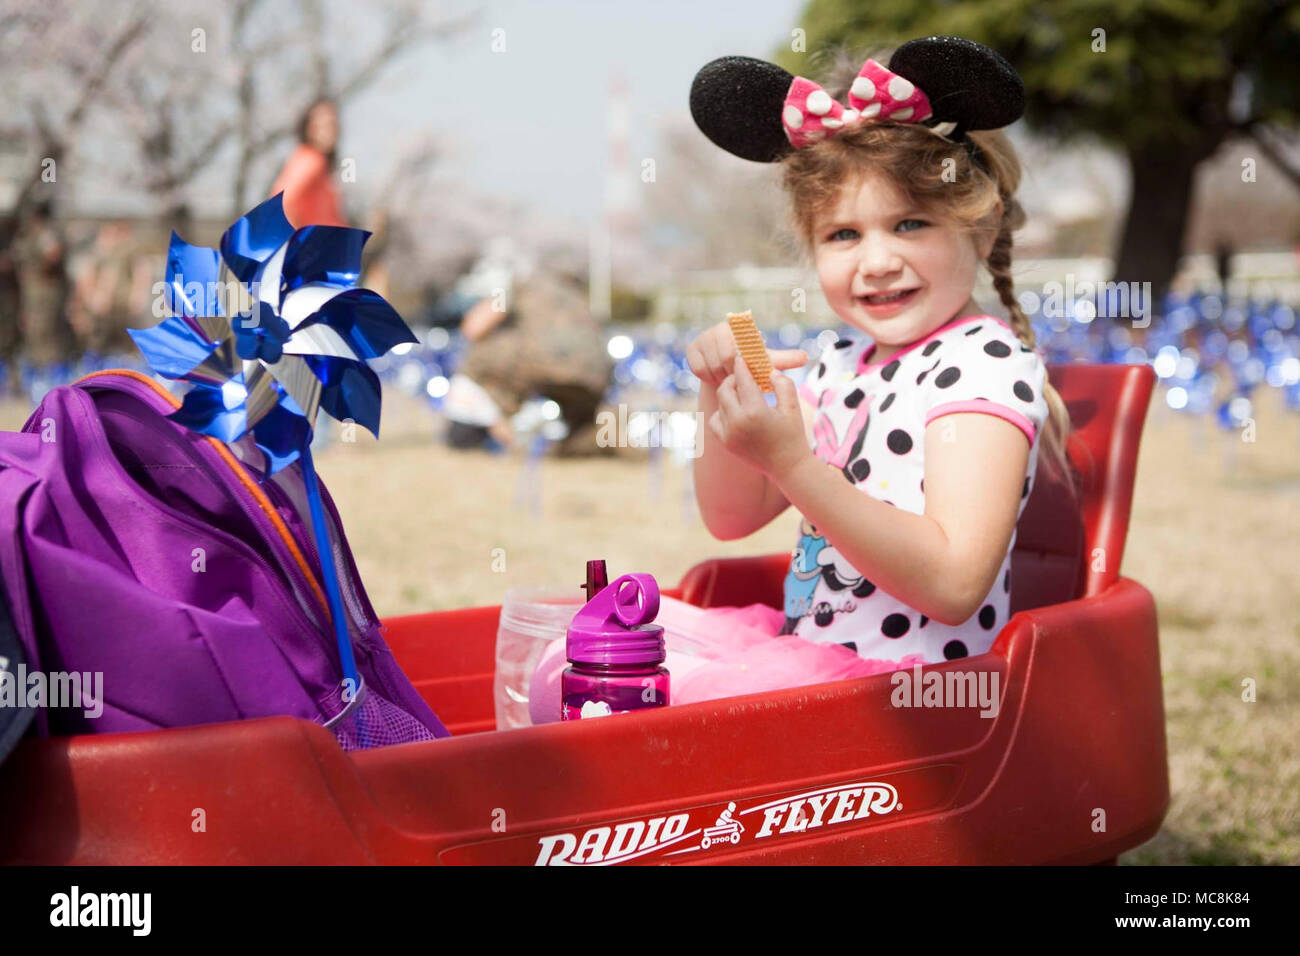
{"type": "Point", "coordinates": [350, 391]}
{"type": "Point", "coordinates": [368, 323]}
{"type": "Point", "coordinates": [301, 383]}
{"type": "Point", "coordinates": [329, 254]}
{"type": "Point", "coordinates": [212, 372]}
{"type": "Point", "coordinates": [191, 278]}
{"type": "Point", "coordinates": [218, 412]}
{"type": "Point", "coordinates": [262, 393]}
{"type": "Point", "coordinates": [173, 348]}
{"type": "Point", "coordinates": [255, 237]}
{"type": "Point", "coordinates": [319, 339]}
{"type": "Point", "coordinates": [282, 435]}
{"type": "Point", "coordinates": [216, 328]}
{"type": "Point", "coordinates": [305, 301]}
{"type": "Point", "coordinates": [269, 277]}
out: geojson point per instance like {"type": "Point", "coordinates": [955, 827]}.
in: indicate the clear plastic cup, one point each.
{"type": "Point", "coordinates": [530, 619]}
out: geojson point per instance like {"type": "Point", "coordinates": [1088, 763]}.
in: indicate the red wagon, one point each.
{"type": "Point", "coordinates": [1072, 769]}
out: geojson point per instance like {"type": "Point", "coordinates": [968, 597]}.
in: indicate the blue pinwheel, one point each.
{"type": "Point", "coordinates": [288, 336]}
{"type": "Point", "coordinates": [299, 343]}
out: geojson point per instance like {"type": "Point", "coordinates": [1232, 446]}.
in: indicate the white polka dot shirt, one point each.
{"type": "Point", "coordinates": [871, 421]}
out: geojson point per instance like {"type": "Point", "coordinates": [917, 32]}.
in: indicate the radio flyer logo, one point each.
{"type": "Point", "coordinates": [672, 835]}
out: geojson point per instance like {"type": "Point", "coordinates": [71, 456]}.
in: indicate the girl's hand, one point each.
{"type": "Point", "coordinates": [772, 440]}
{"type": "Point", "coordinates": [712, 356]}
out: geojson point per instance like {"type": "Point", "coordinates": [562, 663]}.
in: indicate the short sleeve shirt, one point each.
{"type": "Point", "coordinates": [870, 424]}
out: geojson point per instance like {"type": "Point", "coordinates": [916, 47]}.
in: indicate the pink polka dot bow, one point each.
{"type": "Point", "coordinates": [810, 115]}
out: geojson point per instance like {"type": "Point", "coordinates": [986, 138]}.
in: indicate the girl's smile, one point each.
{"type": "Point", "coordinates": [889, 302]}
{"type": "Point", "coordinates": [891, 270]}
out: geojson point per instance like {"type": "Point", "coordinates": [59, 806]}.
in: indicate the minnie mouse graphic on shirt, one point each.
{"type": "Point", "coordinates": [814, 562]}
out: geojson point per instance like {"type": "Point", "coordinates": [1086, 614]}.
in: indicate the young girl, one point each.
{"type": "Point", "coordinates": [912, 446]}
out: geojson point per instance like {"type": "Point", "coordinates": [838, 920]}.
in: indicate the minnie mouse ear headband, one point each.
{"type": "Point", "coordinates": [758, 111]}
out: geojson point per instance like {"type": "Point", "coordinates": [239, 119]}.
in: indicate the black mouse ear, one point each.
{"type": "Point", "coordinates": [736, 101]}
{"type": "Point", "coordinates": [966, 82]}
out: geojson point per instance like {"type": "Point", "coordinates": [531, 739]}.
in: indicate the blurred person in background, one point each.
{"type": "Point", "coordinates": [40, 255]}
{"type": "Point", "coordinates": [1223, 263]}
{"type": "Point", "coordinates": [11, 338]}
{"type": "Point", "coordinates": [113, 292]}
{"type": "Point", "coordinates": [544, 343]}
{"type": "Point", "coordinates": [311, 197]}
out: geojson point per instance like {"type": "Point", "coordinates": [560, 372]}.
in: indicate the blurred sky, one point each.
{"type": "Point", "coordinates": [530, 123]}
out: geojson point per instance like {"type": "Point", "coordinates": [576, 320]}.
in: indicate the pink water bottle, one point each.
{"type": "Point", "coordinates": [615, 654]}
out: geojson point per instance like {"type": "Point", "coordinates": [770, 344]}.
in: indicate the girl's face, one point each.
{"type": "Point", "coordinates": [870, 243]}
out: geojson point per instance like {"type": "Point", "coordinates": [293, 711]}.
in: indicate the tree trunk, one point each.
{"type": "Point", "coordinates": [1152, 240]}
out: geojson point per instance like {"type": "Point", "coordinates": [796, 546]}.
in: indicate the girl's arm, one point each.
{"type": "Point", "coordinates": [944, 562]}
{"type": "Point", "coordinates": [480, 319]}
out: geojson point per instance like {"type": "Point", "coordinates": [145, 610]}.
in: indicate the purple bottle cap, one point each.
{"type": "Point", "coordinates": [614, 627]}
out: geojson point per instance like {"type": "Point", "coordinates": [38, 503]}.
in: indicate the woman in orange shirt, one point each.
{"type": "Point", "coordinates": [307, 179]}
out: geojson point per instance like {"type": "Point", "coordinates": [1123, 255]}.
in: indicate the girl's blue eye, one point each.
{"type": "Point", "coordinates": [849, 233]}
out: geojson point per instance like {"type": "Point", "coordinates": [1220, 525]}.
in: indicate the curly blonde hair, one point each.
{"type": "Point", "coordinates": [944, 178]}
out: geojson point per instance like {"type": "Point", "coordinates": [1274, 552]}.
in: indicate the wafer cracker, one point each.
{"type": "Point", "coordinates": [749, 343]}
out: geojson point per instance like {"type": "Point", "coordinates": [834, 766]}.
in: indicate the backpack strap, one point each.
{"type": "Point", "coordinates": [14, 720]}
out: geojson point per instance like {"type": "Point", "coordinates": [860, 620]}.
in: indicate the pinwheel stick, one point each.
{"type": "Point", "coordinates": [326, 552]}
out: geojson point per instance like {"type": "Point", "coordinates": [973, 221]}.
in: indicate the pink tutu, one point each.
{"type": "Point", "coordinates": [723, 652]}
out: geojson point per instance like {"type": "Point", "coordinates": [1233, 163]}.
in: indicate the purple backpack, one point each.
{"type": "Point", "coordinates": [134, 547]}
